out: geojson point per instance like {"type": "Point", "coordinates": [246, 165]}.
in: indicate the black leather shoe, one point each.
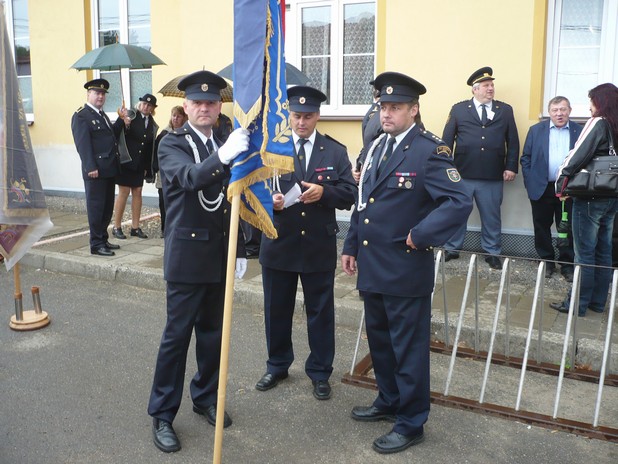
{"type": "Point", "coordinates": [371, 414]}
{"type": "Point", "coordinates": [269, 381]}
{"type": "Point", "coordinates": [210, 413]}
{"type": "Point", "coordinates": [494, 262]}
{"type": "Point", "coordinates": [450, 255]}
{"type": "Point", "coordinates": [112, 246]}
{"type": "Point", "coordinates": [118, 233]}
{"type": "Point", "coordinates": [549, 271]}
{"type": "Point", "coordinates": [559, 306]}
{"type": "Point", "coordinates": [101, 251]}
{"type": "Point", "coordinates": [164, 436]}
{"type": "Point", "coordinates": [138, 233]}
{"type": "Point", "coordinates": [394, 442]}
{"type": "Point", "coordinates": [321, 389]}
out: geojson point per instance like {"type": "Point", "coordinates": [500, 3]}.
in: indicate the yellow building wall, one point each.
{"type": "Point", "coordinates": [440, 43]}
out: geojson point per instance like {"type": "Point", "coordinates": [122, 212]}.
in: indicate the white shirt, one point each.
{"type": "Point", "coordinates": [559, 141]}
{"type": "Point", "coordinates": [308, 146]}
{"type": "Point", "coordinates": [479, 108]}
{"type": "Point", "coordinates": [203, 138]}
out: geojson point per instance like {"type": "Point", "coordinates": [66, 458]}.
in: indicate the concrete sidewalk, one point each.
{"type": "Point", "coordinates": [76, 391]}
{"type": "Point", "coordinates": [139, 262]}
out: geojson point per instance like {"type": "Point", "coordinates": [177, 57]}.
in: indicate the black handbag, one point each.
{"type": "Point", "coordinates": [599, 178]}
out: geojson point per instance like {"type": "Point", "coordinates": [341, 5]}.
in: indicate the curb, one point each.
{"type": "Point", "coordinates": [348, 310]}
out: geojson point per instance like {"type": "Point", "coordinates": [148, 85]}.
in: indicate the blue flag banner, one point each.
{"type": "Point", "coordinates": [260, 105]}
{"type": "Point", "coordinates": [24, 217]}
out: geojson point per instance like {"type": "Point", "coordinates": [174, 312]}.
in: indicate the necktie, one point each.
{"type": "Point", "coordinates": [387, 153]}
{"type": "Point", "coordinates": [209, 147]}
{"type": "Point", "coordinates": [302, 155]}
{"type": "Point", "coordinates": [104, 116]}
{"type": "Point", "coordinates": [483, 114]}
{"type": "Point", "coordinates": [146, 122]}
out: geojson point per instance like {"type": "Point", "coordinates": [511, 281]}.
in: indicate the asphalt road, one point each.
{"type": "Point", "coordinates": [76, 392]}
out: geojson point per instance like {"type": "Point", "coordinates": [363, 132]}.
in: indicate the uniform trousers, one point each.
{"type": "Point", "coordinates": [488, 198]}
{"type": "Point", "coordinates": [100, 207]}
{"type": "Point", "coordinates": [279, 301]}
{"type": "Point", "coordinates": [398, 331]}
{"type": "Point", "coordinates": [545, 211]}
{"type": "Point", "coordinates": [189, 306]}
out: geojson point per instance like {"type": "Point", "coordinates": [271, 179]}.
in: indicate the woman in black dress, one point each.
{"type": "Point", "coordinates": [140, 137]}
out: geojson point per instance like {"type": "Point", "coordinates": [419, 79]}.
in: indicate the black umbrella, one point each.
{"type": "Point", "coordinates": [293, 75]}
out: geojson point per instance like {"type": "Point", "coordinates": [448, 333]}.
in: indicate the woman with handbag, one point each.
{"type": "Point", "coordinates": [593, 210]}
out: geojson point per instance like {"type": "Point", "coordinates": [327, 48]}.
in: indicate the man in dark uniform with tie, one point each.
{"type": "Point", "coordinates": [96, 140]}
{"type": "Point", "coordinates": [306, 246]}
{"type": "Point", "coordinates": [486, 151]}
{"type": "Point", "coordinates": [194, 168]}
{"type": "Point", "coordinates": [410, 199]}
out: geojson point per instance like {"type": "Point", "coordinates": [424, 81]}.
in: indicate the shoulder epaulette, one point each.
{"type": "Point", "coordinates": [179, 131]}
{"type": "Point", "coordinates": [79, 109]}
{"type": "Point", "coordinates": [433, 137]}
{"type": "Point", "coordinates": [335, 140]}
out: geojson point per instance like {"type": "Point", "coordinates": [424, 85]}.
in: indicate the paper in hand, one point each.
{"type": "Point", "coordinates": [292, 196]}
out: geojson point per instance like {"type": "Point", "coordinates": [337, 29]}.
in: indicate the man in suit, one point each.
{"type": "Point", "coordinates": [547, 144]}
{"type": "Point", "coordinates": [483, 136]}
{"type": "Point", "coordinates": [194, 169]}
{"type": "Point", "coordinates": [96, 140]}
{"type": "Point", "coordinates": [306, 246]}
{"type": "Point", "coordinates": [411, 199]}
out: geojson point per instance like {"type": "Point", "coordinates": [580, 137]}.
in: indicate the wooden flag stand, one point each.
{"type": "Point", "coordinates": [27, 320]}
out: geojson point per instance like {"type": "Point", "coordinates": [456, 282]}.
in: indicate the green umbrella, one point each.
{"type": "Point", "coordinates": [116, 56]}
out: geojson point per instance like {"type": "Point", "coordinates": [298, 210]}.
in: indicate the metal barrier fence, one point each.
{"type": "Point", "coordinates": [360, 374]}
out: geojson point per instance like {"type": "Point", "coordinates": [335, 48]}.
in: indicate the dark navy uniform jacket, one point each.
{"type": "Point", "coordinates": [96, 142]}
{"type": "Point", "coordinates": [418, 190]}
{"type": "Point", "coordinates": [196, 241]}
{"type": "Point", "coordinates": [482, 152]}
{"type": "Point", "coordinates": [140, 143]}
{"type": "Point", "coordinates": [307, 233]}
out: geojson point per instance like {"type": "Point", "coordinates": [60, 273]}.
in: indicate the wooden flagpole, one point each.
{"type": "Point", "coordinates": [227, 326]}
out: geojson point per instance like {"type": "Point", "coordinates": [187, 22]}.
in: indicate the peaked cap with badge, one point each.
{"type": "Point", "coordinates": [480, 75]}
{"type": "Point", "coordinates": [100, 85]}
{"type": "Point", "coordinates": [397, 87]}
{"type": "Point", "coordinates": [202, 85]}
{"type": "Point", "coordinates": [304, 99]}
{"type": "Point", "coordinates": [149, 98]}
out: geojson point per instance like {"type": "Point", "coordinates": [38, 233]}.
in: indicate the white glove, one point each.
{"type": "Point", "coordinates": [241, 267]}
{"type": "Point", "coordinates": [237, 142]}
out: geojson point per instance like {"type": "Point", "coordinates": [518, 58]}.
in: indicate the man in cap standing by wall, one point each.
{"type": "Point", "coordinates": [96, 140]}
{"type": "Point", "coordinates": [194, 169]}
{"type": "Point", "coordinates": [486, 150]}
{"type": "Point", "coordinates": [306, 246]}
{"type": "Point", "coordinates": [410, 199]}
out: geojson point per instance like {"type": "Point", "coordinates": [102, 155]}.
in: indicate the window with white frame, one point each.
{"type": "Point", "coordinates": [18, 28]}
{"type": "Point", "coordinates": [128, 22]}
{"type": "Point", "coordinates": [582, 43]}
{"type": "Point", "coordinates": [333, 43]}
